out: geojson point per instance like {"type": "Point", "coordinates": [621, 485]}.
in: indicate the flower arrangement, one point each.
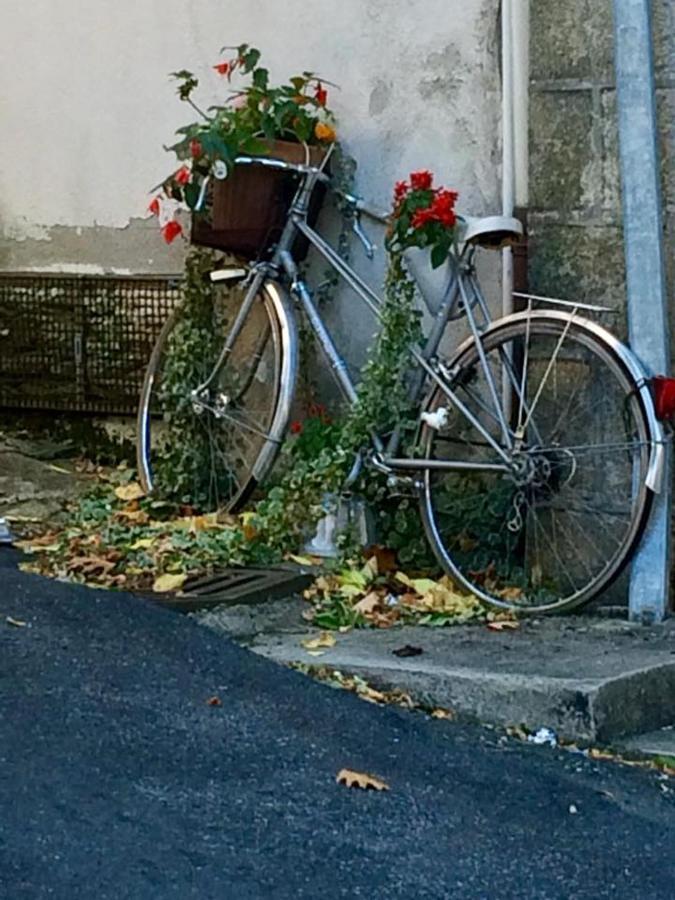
{"type": "Point", "coordinates": [423, 216]}
{"type": "Point", "coordinates": [251, 117]}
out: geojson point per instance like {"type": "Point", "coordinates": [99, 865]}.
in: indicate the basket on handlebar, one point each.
{"type": "Point", "coordinates": [245, 213]}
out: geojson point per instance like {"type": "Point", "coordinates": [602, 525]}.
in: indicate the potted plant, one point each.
{"type": "Point", "coordinates": [422, 230]}
{"type": "Point", "coordinates": [239, 208]}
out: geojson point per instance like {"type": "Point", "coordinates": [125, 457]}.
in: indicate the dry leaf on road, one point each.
{"type": "Point", "coordinates": [503, 626]}
{"type": "Point", "coordinates": [322, 642]}
{"type": "Point", "coordinates": [361, 780]}
{"type": "Point", "coordinates": [169, 582]}
{"type": "Point", "coordinates": [214, 701]}
{"type": "Point", "coordinates": [440, 713]}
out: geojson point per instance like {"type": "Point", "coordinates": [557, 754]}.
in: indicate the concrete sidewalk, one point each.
{"type": "Point", "coordinates": [588, 678]}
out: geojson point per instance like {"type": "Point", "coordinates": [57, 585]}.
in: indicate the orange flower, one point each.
{"type": "Point", "coordinates": [324, 132]}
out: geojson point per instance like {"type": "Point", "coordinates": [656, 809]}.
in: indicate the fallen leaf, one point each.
{"type": "Point", "coordinates": [304, 560]}
{"type": "Point", "coordinates": [169, 582]}
{"type": "Point", "coordinates": [368, 604]}
{"type": "Point", "coordinates": [59, 469]}
{"type": "Point", "coordinates": [322, 642]}
{"type": "Point", "coordinates": [408, 650]}
{"type": "Point", "coordinates": [384, 558]}
{"type": "Point", "coordinates": [441, 713]}
{"type": "Point", "coordinates": [143, 543]}
{"type": "Point", "coordinates": [131, 491]}
{"type": "Point", "coordinates": [91, 565]}
{"type": "Point", "coordinates": [361, 780]}
{"type": "Point", "coordinates": [18, 623]}
{"type": "Point", "coordinates": [214, 701]}
{"type": "Point", "coordinates": [420, 585]}
{"type": "Point", "coordinates": [503, 626]}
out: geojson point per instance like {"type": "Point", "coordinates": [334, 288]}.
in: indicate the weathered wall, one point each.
{"type": "Point", "coordinates": [87, 105]}
{"type": "Point", "coordinates": [576, 240]}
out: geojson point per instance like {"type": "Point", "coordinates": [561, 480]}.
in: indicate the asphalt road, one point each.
{"type": "Point", "coordinates": [119, 780]}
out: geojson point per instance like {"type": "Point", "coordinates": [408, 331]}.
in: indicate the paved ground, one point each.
{"type": "Point", "coordinates": [589, 677]}
{"type": "Point", "coordinates": [118, 779]}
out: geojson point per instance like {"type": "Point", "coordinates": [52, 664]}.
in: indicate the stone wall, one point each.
{"type": "Point", "coordinates": [576, 241]}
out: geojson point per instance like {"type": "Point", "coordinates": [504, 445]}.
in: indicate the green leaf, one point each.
{"type": "Point", "coordinates": [251, 59]}
{"type": "Point", "coordinates": [260, 78]}
{"type": "Point", "coordinates": [439, 254]}
{"type": "Point", "coordinates": [191, 192]}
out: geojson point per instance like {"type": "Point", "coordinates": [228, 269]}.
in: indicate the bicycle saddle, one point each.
{"type": "Point", "coordinates": [493, 232]}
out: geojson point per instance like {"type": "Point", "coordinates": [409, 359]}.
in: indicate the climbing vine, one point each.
{"type": "Point", "coordinates": [282, 519]}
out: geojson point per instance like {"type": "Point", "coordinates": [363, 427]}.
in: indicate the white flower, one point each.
{"type": "Point", "coordinates": [436, 420]}
{"type": "Point", "coordinates": [168, 207]}
{"type": "Point", "coordinates": [219, 170]}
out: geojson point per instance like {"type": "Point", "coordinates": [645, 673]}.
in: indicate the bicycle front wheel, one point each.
{"type": "Point", "coordinates": [552, 527]}
{"type": "Point", "coordinates": [211, 455]}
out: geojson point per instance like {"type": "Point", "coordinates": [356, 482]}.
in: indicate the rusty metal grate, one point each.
{"type": "Point", "coordinates": [236, 586]}
{"type": "Point", "coordinates": [79, 343]}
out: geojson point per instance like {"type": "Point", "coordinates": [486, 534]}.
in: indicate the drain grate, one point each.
{"type": "Point", "coordinates": [232, 587]}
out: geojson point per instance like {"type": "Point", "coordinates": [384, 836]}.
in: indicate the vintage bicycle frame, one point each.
{"type": "Point", "coordinates": [462, 297]}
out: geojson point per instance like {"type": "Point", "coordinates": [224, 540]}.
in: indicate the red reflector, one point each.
{"type": "Point", "coordinates": [663, 390]}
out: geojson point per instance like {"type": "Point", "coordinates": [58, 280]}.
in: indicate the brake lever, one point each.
{"type": "Point", "coordinates": [357, 228]}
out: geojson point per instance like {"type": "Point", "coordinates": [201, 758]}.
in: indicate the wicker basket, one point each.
{"type": "Point", "coordinates": [246, 212]}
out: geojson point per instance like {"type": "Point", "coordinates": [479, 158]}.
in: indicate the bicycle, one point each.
{"type": "Point", "coordinates": [539, 450]}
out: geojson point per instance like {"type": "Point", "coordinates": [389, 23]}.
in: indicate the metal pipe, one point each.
{"type": "Point", "coordinates": [645, 276]}
{"type": "Point", "coordinates": [515, 28]}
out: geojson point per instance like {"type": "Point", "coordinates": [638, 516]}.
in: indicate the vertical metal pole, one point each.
{"type": "Point", "coordinates": [645, 277]}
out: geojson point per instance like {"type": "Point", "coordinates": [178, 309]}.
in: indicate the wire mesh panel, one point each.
{"type": "Point", "coordinates": [79, 343]}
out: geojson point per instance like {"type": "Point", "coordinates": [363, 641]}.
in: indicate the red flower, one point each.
{"type": "Point", "coordinates": [183, 175]}
{"type": "Point", "coordinates": [400, 191]}
{"type": "Point", "coordinates": [171, 231]}
{"type": "Point", "coordinates": [222, 68]}
{"type": "Point", "coordinates": [443, 208]}
{"type": "Point", "coordinates": [296, 427]}
{"type": "Point", "coordinates": [195, 149]}
{"type": "Point", "coordinates": [153, 206]}
{"type": "Point", "coordinates": [421, 217]}
{"type": "Point", "coordinates": [320, 94]}
{"type": "Point", "coordinates": [421, 181]}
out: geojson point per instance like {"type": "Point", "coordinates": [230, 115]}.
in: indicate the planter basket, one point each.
{"type": "Point", "coordinates": [246, 212]}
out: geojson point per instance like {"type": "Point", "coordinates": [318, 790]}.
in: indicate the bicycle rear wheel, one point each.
{"type": "Point", "coordinates": [555, 529]}
{"type": "Point", "coordinates": [212, 457]}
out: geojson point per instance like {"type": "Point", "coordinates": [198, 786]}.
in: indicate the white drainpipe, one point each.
{"type": "Point", "coordinates": [515, 23]}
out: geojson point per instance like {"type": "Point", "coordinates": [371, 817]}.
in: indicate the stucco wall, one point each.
{"type": "Point", "coordinates": [87, 105]}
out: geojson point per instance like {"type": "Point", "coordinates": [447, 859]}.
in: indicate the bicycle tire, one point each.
{"type": "Point", "coordinates": [457, 562]}
{"type": "Point", "coordinates": [277, 311]}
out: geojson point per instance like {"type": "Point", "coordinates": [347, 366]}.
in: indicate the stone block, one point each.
{"type": "Point", "coordinates": [610, 187]}
{"type": "Point", "coordinates": [564, 164]}
{"type": "Point", "coordinates": [580, 262]}
{"type": "Point", "coordinates": [663, 29]}
{"type": "Point", "coordinates": [665, 112]}
{"type": "Point", "coordinates": [573, 39]}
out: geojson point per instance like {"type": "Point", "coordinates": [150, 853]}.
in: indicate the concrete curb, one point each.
{"type": "Point", "coordinates": [588, 679]}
